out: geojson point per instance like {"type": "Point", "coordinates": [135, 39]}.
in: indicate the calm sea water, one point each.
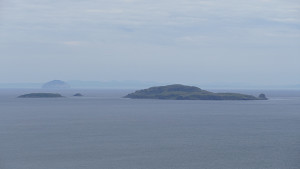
{"type": "Point", "coordinates": [104, 131]}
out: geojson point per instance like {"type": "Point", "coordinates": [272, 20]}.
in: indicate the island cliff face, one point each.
{"type": "Point", "coordinates": [182, 92]}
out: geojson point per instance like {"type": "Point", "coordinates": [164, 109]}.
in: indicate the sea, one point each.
{"type": "Point", "coordinates": [102, 130]}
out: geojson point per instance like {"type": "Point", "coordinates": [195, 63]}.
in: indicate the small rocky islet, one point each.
{"type": "Point", "coordinates": [183, 92]}
{"type": "Point", "coordinates": [78, 95]}
{"type": "Point", "coordinates": [41, 95]}
{"type": "Point", "coordinates": [46, 95]}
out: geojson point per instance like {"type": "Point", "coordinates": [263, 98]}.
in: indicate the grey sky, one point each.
{"type": "Point", "coordinates": [191, 41]}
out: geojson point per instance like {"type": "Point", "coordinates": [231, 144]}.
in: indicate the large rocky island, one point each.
{"type": "Point", "coordinates": [40, 95]}
{"type": "Point", "coordinates": [182, 92]}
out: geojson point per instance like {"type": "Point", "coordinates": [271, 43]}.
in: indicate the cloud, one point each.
{"type": "Point", "coordinates": [286, 20]}
{"type": "Point", "coordinates": [73, 43]}
{"type": "Point", "coordinates": [193, 39]}
{"type": "Point", "coordinates": [111, 11]}
{"type": "Point", "coordinates": [149, 13]}
{"type": "Point", "coordinates": [170, 30]}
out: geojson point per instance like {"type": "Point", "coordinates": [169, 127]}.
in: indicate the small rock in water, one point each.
{"type": "Point", "coordinates": [262, 97]}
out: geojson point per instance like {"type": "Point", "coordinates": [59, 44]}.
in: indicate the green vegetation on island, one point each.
{"type": "Point", "coordinates": [182, 92]}
{"type": "Point", "coordinates": [40, 95]}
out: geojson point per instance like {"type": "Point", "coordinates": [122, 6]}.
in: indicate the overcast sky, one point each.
{"type": "Point", "coordinates": [170, 41]}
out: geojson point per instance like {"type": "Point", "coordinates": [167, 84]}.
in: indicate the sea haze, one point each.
{"type": "Point", "coordinates": [103, 130]}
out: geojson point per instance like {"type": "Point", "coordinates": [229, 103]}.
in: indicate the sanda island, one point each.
{"type": "Point", "coordinates": [182, 92]}
{"type": "Point", "coordinates": [41, 95]}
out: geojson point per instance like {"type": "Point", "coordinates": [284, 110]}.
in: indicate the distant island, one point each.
{"type": "Point", "coordinates": [56, 84]}
{"type": "Point", "coordinates": [182, 92]}
{"type": "Point", "coordinates": [78, 95]}
{"type": "Point", "coordinates": [40, 95]}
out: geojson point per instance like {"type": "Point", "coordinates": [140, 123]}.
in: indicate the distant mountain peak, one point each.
{"type": "Point", "coordinates": [56, 84]}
